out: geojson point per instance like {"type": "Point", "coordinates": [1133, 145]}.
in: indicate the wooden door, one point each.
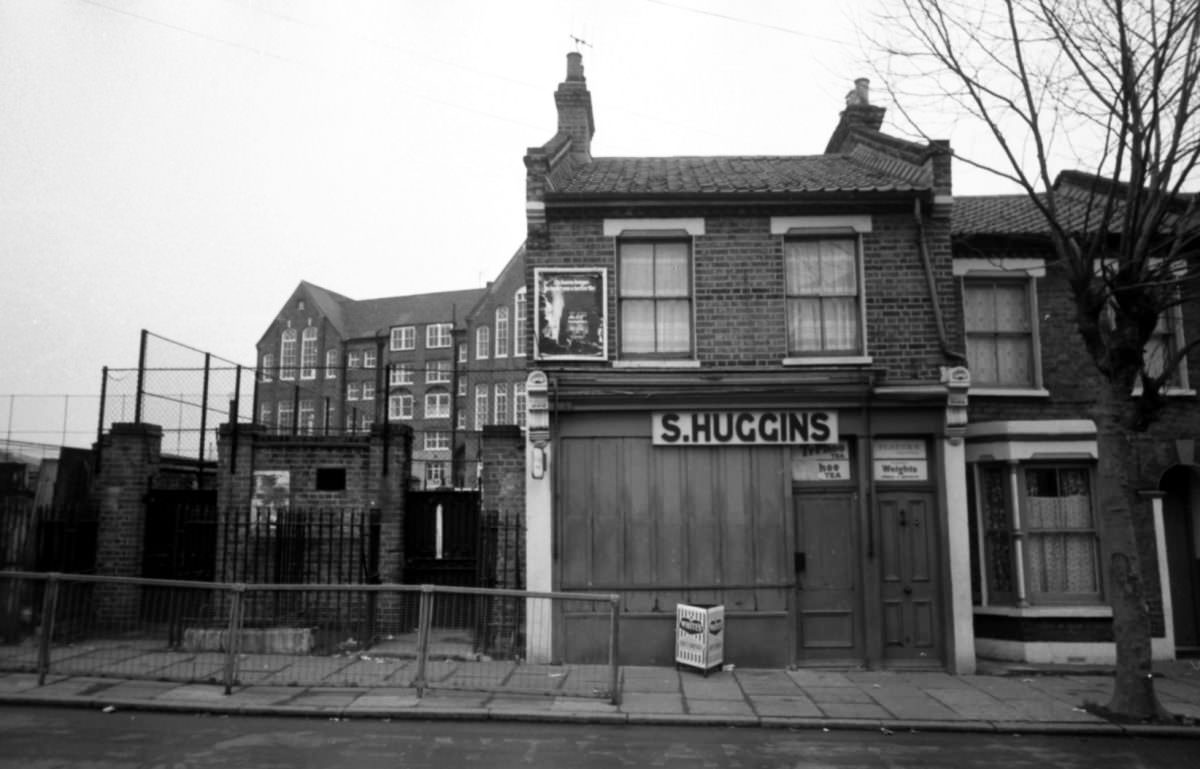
{"type": "Point", "coordinates": [828, 592]}
{"type": "Point", "coordinates": [911, 621]}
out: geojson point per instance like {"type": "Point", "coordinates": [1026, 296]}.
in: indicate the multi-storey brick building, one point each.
{"type": "Point", "coordinates": [750, 390]}
{"type": "Point", "coordinates": [330, 364]}
{"type": "Point", "coordinates": [1039, 584]}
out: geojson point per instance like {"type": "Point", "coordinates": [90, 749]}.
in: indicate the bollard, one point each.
{"type": "Point", "coordinates": [235, 632]}
{"type": "Point", "coordinates": [49, 609]}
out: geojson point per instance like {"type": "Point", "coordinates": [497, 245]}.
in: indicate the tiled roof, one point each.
{"type": "Point", "coordinates": [736, 174]}
{"type": "Point", "coordinates": [996, 214]}
{"type": "Point", "coordinates": [369, 317]}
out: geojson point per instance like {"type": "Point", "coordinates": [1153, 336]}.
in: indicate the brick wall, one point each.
{"type": "Point", "coordinates": [503, 491]}
{"type": "Point", "coordinates": [739, 285]}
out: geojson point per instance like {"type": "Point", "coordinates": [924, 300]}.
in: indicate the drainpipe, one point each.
{"type": "Point", "coordinates": [923, 247]}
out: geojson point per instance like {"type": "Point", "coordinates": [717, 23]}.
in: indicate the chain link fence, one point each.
{"type": "Point", "coordinates": [185, 391]}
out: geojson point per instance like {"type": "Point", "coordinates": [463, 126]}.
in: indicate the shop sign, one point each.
{"type": "Point", "coordinates": [901, 460]}
{"type": "Point", "coordinates": [743, 428]}
{"type": "Point", "coordinates": [830, 462]}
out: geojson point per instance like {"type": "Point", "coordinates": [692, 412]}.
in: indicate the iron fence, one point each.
{"type": "Point", "coordinates": [421, 637]}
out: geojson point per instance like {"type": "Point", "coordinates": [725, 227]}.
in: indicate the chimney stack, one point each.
{"type": "Point", "coordinates": [859, 113]}
{"type": "Point", "coordinates": [574, 104]}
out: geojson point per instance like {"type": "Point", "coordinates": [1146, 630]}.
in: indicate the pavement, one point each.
{"type": "Point", "coordinates": [1000, 698]}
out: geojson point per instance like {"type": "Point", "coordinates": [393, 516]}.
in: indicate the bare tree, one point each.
{"type": "Point", "coordinates": [1109, 87]}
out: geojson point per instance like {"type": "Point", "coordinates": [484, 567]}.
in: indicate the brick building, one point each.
{"type": "Point", "coordinates": [750, 389]}
{"type": "Point", "coordinates": [1038, 581]}
{"type": "Point", "coordinates": [329, 364]}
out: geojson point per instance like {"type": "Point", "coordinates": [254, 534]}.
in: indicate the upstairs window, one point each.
{"type": "Point", "coordinates": [462, 352]}
{"type": "Point", "coordinates": [404, 338]}
{"type": "Point", "coordinates": [401, 374]}
{"type": "Point", "coordinates": [267, 370]}
{"type": "Point", "coordinates": [437, 335]}
{"type": "Point", "coordinates": [501, 332]}
{"type": "Point", "coordinates": [353, 391]}
{"type": "Point", "coordinates": [1162, 347]}
{"type": "Point", "coordinates": [369, 358]}
{"type": "Point", "coordinates": [999, 318]}
{"type": "Point", "coordinates": [400, 406]}
{"type": "Point", "coordinates": [519, 402]}
{"type": "Point", "coordinates": [655, 298]}
{"type": "Point", "coordinates": [482, 343]}
{"type": "Point", "coordinates": [331, 363]}
{"type": "Point", "coordinates": [824, 303]}
{"type": "Point", "coordinates": [437, 440]}
{"type": "Point", "coordinates": [354, 359]}
{"type": "Point", "coordinates": [500, 404]}
{"type": "Point", "coordinates": [437, 405]}
{"type": "Point", "coordinates": [437, 372]}
{"type": "Point", "coordinates": [287, 354]}
{"type": "Point", "coordinates": [520, 343]}
{"type": "Point", "coordinates": [481, 406]}
{"type": "Point", "coordinates": [308, 353]}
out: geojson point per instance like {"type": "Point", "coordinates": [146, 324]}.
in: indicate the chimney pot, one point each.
{"type": "Point", "coordinates": [575, 67]}
{"type": "Point", "coordinates": [862, 88]}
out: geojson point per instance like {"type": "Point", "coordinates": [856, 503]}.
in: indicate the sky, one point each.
{"type": "Point", "coordinates": [180, 166]}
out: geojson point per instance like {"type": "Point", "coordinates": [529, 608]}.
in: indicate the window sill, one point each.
{"type": "Point", "coordinates": [1170, 392]}
{"type": "Point", "coordinates": [1010, 392]}
{"type": "Point", "coordinates": [830, 360]}
{"type": "Point", "coordinates": [659, 363]}
{"type": "Point", "coordinates": [1073, 611]}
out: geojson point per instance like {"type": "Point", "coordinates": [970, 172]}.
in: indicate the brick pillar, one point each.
{"type": "Point", "coordinates": [503, 493]}
{"type": "Point", "coordinates": [129, 460]}
{"type": "Point", "coordinates": [237, 446]}
{"type": "Point", "coordinates": [388, 469]}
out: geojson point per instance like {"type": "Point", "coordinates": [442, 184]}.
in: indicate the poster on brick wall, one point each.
{"type": "Point", "coordinates": [272, 493]}
{"type": "Point", "coordinates": [571, 314]}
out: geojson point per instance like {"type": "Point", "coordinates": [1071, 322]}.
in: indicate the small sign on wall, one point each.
{"type": "Point", "coordinates": [571, 314]}
{"type": "Point", "coordinates": [901, 459]}
{"type": "Point", "coordinates": [272, 493]}
{"type": "Point", "coordinates": [830, 462]}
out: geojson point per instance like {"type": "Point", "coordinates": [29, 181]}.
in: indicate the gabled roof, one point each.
{"type": "Point", "coordinates": [721, 175]}
{"type": "Point", "coordinates": [369, 317]}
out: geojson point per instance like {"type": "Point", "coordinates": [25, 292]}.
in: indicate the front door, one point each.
{"type": "Point", "coordinates": [828, 585]}
{"type": "Point", "coordinates": [909, 576]}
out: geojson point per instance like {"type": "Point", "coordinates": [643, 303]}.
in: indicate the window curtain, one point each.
{"type": "Point", "coordinates": [822, 289]}
{"type": "Point", "coordinates": [1061, 542]}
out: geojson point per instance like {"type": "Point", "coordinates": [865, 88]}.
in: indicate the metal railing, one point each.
{"type": "Point", "coordinates": [423, 637]}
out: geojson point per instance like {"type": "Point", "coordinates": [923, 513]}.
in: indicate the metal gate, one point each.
{"type": "Point", "coordinates": [441, 547]}
{"type": "Point", "coordinates": [180, 535]}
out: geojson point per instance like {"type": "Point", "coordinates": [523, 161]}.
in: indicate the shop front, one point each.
{"type": "Point", "coordinates": [821, 529]}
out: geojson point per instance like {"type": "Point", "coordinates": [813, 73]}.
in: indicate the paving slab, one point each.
{"type": "Point", "coordinates": [721, 707]}
{"type": "Point", "coordinates": [855, 710]}
{"type": "Point", "coordinates": [714, 688]}
{"type": "Point", "coordinates": [974, 705]}
{"type": "Point", "coordinates": [775, 682]}
{"type": "Point", "coordinates": [325, 699]}
{"type": "Point", "coordinates": [640, 702]}
{"type": "Point", "coordinates": [919, 707]}
{"type": "Point", "coordinates": [643, 679]}
{"type": "Point", "coordinates": [18, 682]}
{"type": "Point", "coordinates": [194, 693]}
{"type": "Point", "coordinates": [820, 678]}
{"type": "Point", "coordinates": [837, 694]}
{"type": "Point", "coordinates": [796, 706]}
{"type": "Point", "coordinates": [137, 690]}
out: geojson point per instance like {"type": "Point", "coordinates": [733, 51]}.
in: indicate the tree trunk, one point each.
{"type": "Point", "coordinates": [1133, 683]}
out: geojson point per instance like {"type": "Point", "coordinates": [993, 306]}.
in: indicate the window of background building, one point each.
{"type": "Point", "coordinates": [461, 421]}
{"type": "Point", "coordinates": [308, 353]}
{"type": "Point", "coordinates": [435, 474]}
{"type": "Point", "coordinates": [655, 298]}
{"type": "Point", "coordinates": [462, 352]}
{"type": "Point", "coordinates": [354, 359]}
{"type": "Point", "coordinates": [284, 416]}
{"type": "Point", "coordinates": [400, 406]}
{"type": "Point", "coordinates": [267, 370]}
{"type": "Point", "coordinates": [437, 371]}
{"type": "Point", "coordinates": [519, 323]}
{"type": "Point", "coordinates": [331, 363]}
{"type": "Point", "coordinates": [823, 301]}
{"type": "Point", "coordinates": [481, 406]}
{"type": "Point", "coordinates": [287, 354]}
{"type": "Point", "coordinates": [999, 319]}
{"type": "Point", "coordinates": [401, 374]}
{"type": "Point", "coordinates": [519, 403]}
{"type": "Point", "coordinates": [437, 440]}
{"type": "Point", "coordinates": [369, 358]}
{"type": "Point", "coordinates": [437, 404]}
{"type": "Point", "coordinates": [482, 342]}
{"type": "Point", "coordinates": [500, 403]}
{"type": "Point", "coordinates": [437, 335]}
{"type": "Point", "coordinates": [368, 391]}
{"type": "Point", "coordinates": [308, 417]}
{"type": "Point", "coordinates": [264, 414]}
{"type": "Point", "coordinates": [462, 386]}
{"type": "Point", "coordinates": [353, 391]}
{"type": "Point", "coordinates": [404, 338]}
{"type": "Point", "coordinates": [501, 332]}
